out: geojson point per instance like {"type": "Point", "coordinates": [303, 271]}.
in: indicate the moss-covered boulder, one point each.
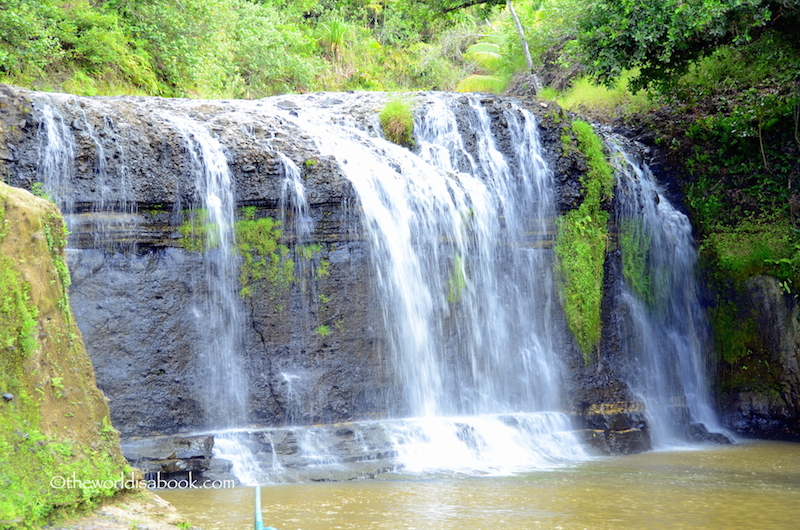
{"type": "Point", "coordinates": [58, 450]}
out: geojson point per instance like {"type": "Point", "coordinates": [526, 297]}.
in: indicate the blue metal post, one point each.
{"type": "Point", "coordinates": [259, 517]}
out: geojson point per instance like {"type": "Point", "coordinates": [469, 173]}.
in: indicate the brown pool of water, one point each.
{"type": "Point", "coordinates": [747, 486]}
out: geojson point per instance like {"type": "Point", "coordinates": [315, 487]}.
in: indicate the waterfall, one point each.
{"type": "Point", "coordinates": [56, 157]}
{"type": "Point", "coordinates": [456, 239]}
{"type": "Point", "coordinates": [111, 218]}
{"type": "Point", "coordinates": [669, 340]}
{"type": "Point", "coordinates": [293, 200]}
{"type": "Point", "coordinates": [218, 312]}
{"type": "Point", "coordinates": [459, 237]}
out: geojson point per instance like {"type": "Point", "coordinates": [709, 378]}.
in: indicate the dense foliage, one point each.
{"type": "Point", "coordinates": [663, 37]}
{"type": "Point", "coordinates": [230, 48]}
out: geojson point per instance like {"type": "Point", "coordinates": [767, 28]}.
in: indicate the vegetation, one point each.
{"type": "Point", "coordinates": [457, 281]}
{"type": "Point", "coordinates": [635, 245]}
{"type": "Point", "coordinates": [715, 83]}
{"type": "Point", "coordinates": [264, 259]}
{"type": "Point", "coordinates": [664, 38]}
{"type": "Point", "coordinates": [197, 233]}
{"type": "Point", "coordinates": [39, 365]}
{"type": "Point", "coordinates": [230, 48]}
{"type": "Point", "coordinates": [397, 122]}
{"type": "Point", "coordinates": [601, 102]}
{"type": "Point", "coordinates": [582, 241]}
{"type": "Point", "coordinates": [55, 233]}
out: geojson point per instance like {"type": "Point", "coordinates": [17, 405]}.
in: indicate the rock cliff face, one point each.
{"type": "Point", "coordinates": [314, 345]}
{"type": "Point", "coordinates": [762, 397]}
{"type": "Point", "coordinates": [54, 422]}
{"type": "Point", "coordinates": [134, 285]}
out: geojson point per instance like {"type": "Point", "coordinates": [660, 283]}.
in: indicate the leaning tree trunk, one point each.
{"type": "Point", "coordinates": [525, 50]}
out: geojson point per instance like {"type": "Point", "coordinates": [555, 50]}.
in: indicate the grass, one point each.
{"type": "Point", "coordinates": [588, 98]}
{"type": "Point", "coordinates": [397, 122]}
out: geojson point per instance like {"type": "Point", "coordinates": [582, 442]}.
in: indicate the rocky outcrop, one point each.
{"type": "Point", "coordinates": [131, 185]}
{"type": "Point", "coordinates": [55, 433]}
{"type": "Point", "coordinates": [170, 455]}
{"type": "Point", "coordinates": [761, 393]}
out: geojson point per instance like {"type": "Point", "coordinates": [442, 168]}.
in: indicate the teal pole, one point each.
{"type": "Point", "coordinates": [259, 519]}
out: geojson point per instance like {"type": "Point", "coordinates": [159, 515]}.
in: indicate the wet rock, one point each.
{"type": "Point", "coordinates": [625, 442]}
{"type": "Point", "coordinates": [766, 400]}
{"type": "Point", "coordinates": [699, 432]}
{"type": "Point", "coordinates": [134, 285]}
{"type": "Point", "coordinates": [170, 454]}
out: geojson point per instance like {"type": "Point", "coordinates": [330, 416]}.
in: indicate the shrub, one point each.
{"type": "Point", "coordinates": [397, 122]}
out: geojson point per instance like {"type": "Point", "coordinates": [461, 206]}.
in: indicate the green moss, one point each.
{"type": "Point", "coordinates": [17, 314]}
{"type": "Point", "coordinates": [323, 330]}
{"type": "Point", "coordinates": [323, 269]}
{"type": "Point", "coordinates": [397, 122]}
{"type": "Point", "coordinates": [582, 241]}
{"type": "Point", "coordinates": [751, 248]}
{"type": "Point", "coordinates": [56, 233]}
{"type": "Point", "coordinates": [635, 246]}
{"type": "Point", "coordinates": [32, 463]}
{"type": "Point", "coordinates": [197, 233]}
{"type": "Point", "coordinates": [307, 252]}
{"type": "Point", "coordinates": [744, 357]}
{"type": "Point", "coordinates": [264, 259]}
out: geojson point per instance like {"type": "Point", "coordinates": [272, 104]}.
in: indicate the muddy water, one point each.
{"type": "Point", "coordinates": [753, 485]}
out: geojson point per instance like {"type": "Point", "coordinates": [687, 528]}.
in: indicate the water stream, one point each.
{"type": "Point", "coordinates": [466, 285]}
{"type": "Point", "coordinates": [669, 340]}
{"type": "Point", "coordinates": [217, 308]}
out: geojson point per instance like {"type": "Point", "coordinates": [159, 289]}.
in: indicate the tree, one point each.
{"type": "Point", "coordinates": [521, 33]}
{"type": "Point", "coordinates": [663, 37]}
{"type": "Point", "coordinates": [448, 6]}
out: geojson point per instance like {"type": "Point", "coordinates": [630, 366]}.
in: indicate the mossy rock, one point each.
{"type": "Point", "coordinates": [54, 422]}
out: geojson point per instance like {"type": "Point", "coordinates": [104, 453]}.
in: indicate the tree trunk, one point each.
{"type": "Point", "coordinates": [537, 85]}
{"type": "Point", "coordinates": [522, 38]}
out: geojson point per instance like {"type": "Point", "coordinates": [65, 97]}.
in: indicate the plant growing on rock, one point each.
{"type": "Point", "coordinates": [582, 240]}
{"type": "Point", "coordinates": [263, 257]}
{"type": "Point", "coordinates": [197, 233]}
{"type": "Point", "coordinates": [397, 122]}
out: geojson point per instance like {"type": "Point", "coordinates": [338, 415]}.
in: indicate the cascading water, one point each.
{"type": "Point", "coordinates": [669, 331]}
{"type": "Point", "coordinates": [56, 157]}
{"type": "Point", "coordinates": [217, 309]}
{"type": "Point", "coordinates": [459, 233]}
{"type": "Point", "coordinates": [293, 199]}
{"type": "Point", "coordinates": [458, 245]}
{"type": "Point", "coordinates": [113, 217]}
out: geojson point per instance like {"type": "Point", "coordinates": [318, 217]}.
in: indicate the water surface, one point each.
{"type": "Point", "coordinates": [753, 485]}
